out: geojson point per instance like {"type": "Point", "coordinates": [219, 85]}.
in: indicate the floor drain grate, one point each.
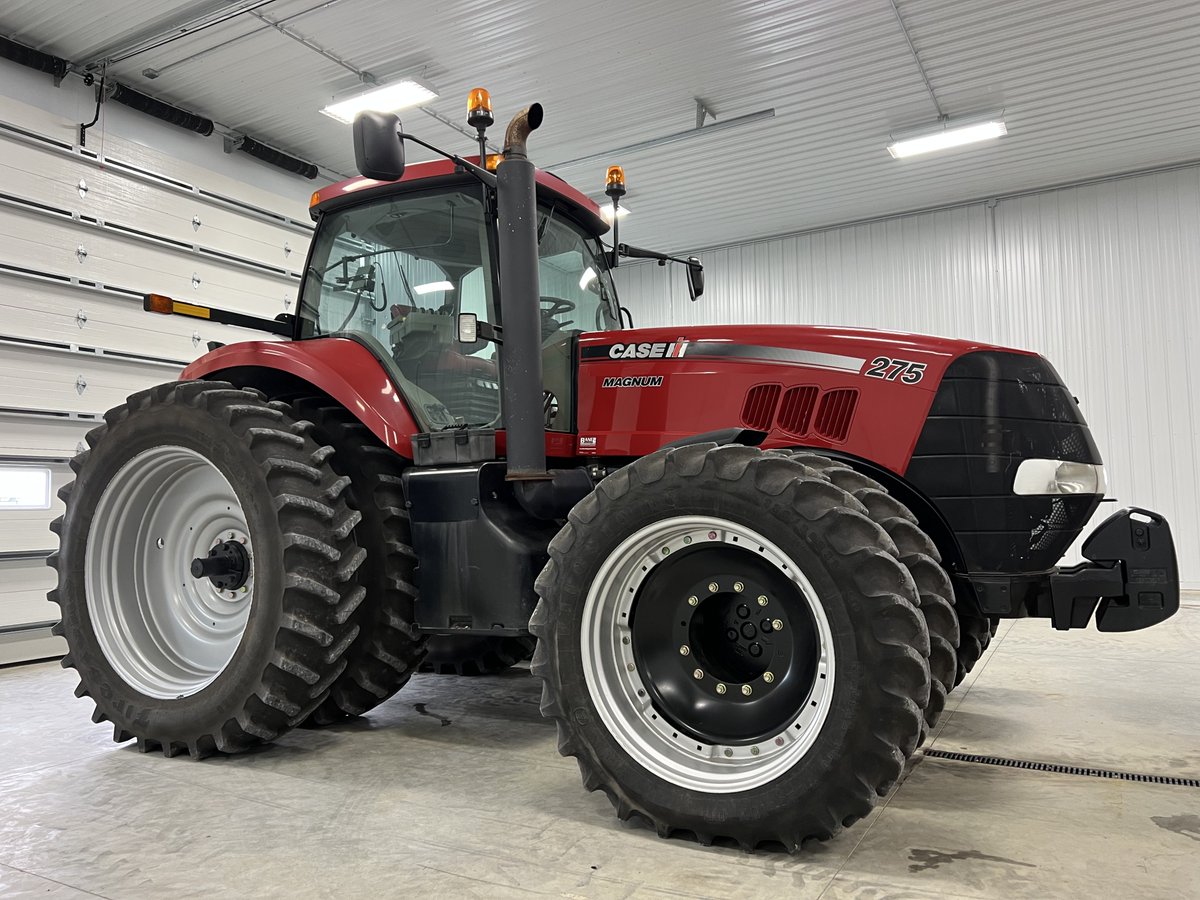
{"type": "Point", "coordinates": [1062, 769]}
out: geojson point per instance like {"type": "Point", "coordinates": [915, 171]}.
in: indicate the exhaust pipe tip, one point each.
{"type": "Point", "coordinates": [516, 136]}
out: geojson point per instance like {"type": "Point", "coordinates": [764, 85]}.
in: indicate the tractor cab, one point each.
{"type": "Point", "coordinates": [394, 264]}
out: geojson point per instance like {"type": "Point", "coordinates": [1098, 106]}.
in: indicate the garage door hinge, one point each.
{"type": "Point", "coordinates": [81, 318]}
{"type": "Point", "coordinates": [196, 339]}
{"type": "Point", "coordinates": [195, 281]}
{"type": "Point", "coordinates": [80, 384]}
{"type": "Point", "coordinates": [81, 253]}
{"type": "Point", "coordinates": [83, 188]}
{"type": "Point", "coordinates": [195, 223]}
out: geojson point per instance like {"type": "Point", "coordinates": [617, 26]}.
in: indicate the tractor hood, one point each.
{"type": "Point", "coordinates": [802, 385]}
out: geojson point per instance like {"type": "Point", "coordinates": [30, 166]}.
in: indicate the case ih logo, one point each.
{"type": "Point", "coordinates": [632, 381]}
{"type": "Point", "coordinates": [661, 350]}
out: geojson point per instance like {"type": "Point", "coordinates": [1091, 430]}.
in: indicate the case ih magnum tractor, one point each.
{"type": "Point", "coordinates": [755, 559]}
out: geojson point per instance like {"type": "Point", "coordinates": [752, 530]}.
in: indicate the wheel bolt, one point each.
{"type": "Point", "coordinates": [692, 601]}
{"type": "Point", "coordinates": [738, 587]}
{"type": "Point", "coordinates": [624, 640]}
{"type": "Point", "coordinates": [630, 667]}
{"type": "Point", "coordinates": [777, 624]}
{"type": "Point", "coordinates": [712, 587]}
{"type": "Point", "coordinates": [754, 751]}
{"type": "Point", "coordinates": [688, 539]}
{"type": "Point", "coordinates": [720, 688]}
{"type": "Point", "coordinates": [728, 752]}
{"type": "Point", "coordinates": [666, 550]}
{"type": "Point", "coordinates": [762, 599]}
{"type": "Point", "coordinates": [768, 677]}
{"type": "Point", "coordinates": [698, 674]}
{"type": "Point", "coordinates": [747, 690]}
{"type": "Point", "coordinates": [685, 650]}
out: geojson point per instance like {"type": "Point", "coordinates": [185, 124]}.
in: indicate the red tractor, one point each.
{"type": "Point", "coordinates": [755, 559]}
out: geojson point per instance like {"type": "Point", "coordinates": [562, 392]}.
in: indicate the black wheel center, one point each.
{"type": "Point", "coordinates": [726, 641]}
{"type": "Point", "coordinates": [227, 566]}
{"type": "Point", "coordinates": [725, 644]}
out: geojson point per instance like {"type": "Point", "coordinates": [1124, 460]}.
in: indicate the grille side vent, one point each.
{"type": "Point", "coordinates": [758, 411]}
{"type": "Point", "coordinates": [835, 413]}
{"type": "Point", "coordinates": [795, 413]}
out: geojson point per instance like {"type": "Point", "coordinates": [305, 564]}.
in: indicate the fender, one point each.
{"type": "Point", "coordinates": [342, 368]}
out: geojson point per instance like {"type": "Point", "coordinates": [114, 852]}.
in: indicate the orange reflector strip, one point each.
{"type": "Point", "coordinates": [157, 303]}
{"type": "Point", "coordinates": [187, 309]}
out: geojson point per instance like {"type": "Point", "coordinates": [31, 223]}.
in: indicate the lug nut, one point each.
{"type": "Point", "coordinates": [692, 601]}
{"type": "Point", "coordinates": [747, 690]}
{"type": "Point", "coordinates": [721, 688]}
{"type": "Point", "coordinates": [738, 587]}
{"type": "Point", "coordinates": [624, 640]}
{"type": "Point", "coordinates": [712, 587]}
{"type": "Point", "coordinates": [754, 751]}
{"type": "Point", "coordinates": [762, 599]}
{"type": "Point", "coordinates": [698, 674]}
{"type": "Point", "coordinates": [777, 624]}
{"type": "Point", "coordinates": [685, 650]}
{"type": "Point", "coordinates": [768, 677]}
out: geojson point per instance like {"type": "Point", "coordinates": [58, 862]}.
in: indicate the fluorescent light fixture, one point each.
{"type": "Point", "coordinates": [946, 134]}
{"type": "Point", "coordinates": [606, 211]}
{"type": "Point", "coordinates": [589, 275]}
{"type": "Point", "coordinates": [386, 98]}
{"type": "Point", "coordinates": [433, 286]}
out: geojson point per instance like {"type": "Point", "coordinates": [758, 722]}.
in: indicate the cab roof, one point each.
{"type": "Point", "coordinates": [355, 189]}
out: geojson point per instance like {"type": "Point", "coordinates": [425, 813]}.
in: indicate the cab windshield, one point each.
{"type": "Point", "coordinates": [395, 273]}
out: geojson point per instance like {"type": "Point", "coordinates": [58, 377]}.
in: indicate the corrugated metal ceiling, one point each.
{"type": "Point", "coordinates": [1089, 87]}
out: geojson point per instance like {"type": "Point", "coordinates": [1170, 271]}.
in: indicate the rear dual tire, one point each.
{"type": "Point", "coordinates": [140, 627]}
{"type": "Point", "coordinates": [830, 746]}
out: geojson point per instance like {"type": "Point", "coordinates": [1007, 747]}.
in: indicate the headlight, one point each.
{"type": "Point", "coordinates": [1056, 476]}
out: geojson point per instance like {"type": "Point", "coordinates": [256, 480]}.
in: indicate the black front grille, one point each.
{"type": "Point", "coordinates": [993, 410]}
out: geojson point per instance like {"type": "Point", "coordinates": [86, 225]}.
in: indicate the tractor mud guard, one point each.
{"type": "Point", "coordinates": [747, 437]}
{"type": "Point", "coordinates": [1131, 580]}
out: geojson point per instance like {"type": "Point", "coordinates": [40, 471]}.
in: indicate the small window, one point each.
{"type": "Point", "coordinates": [24, 487]}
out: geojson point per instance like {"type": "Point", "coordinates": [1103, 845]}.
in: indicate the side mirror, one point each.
{"type": "Point", "coordinates": [695, 275]}
{"type": "Point", "coordinates": [468, 328]}
{"type": "Point", "coordinates": [378, 149]}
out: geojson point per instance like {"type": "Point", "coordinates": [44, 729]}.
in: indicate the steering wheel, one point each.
{"type": "Point", "coordinates": [552, 307]}
{"type": "Point", "coordinates": [557, 305]}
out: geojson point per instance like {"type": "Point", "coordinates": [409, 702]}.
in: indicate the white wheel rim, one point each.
{"type": "Point", "coordinates": [165, 633]}
{"type": "Point", "coordinates": [624, 704]}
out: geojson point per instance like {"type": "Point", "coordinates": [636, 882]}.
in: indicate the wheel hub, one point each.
{"type": "Point", "coordinates": [227, 565]}
{"type": "Point", "coordinates": [724, 644]}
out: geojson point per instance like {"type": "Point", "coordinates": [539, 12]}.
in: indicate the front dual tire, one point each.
{"type": "Point", "coordinates": [796, 756]}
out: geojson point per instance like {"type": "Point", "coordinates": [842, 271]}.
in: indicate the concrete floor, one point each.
{"type": "Point", "coordinates": [454, 789]}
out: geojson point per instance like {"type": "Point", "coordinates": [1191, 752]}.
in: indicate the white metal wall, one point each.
{"type": "Point", "coordinates": [1102, 279]}
{"type": "Point", "coordinates": [84, 232]}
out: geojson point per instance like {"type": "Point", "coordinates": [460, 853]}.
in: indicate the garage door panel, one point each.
{"type": "Point", "coordinates": [53, 177]}
{"type": "Point", "coordinates": [60, 245]}
{"type": "Point", "coordinates": [62, 313]}
{"type": "Point", "coordinates": [28, 530]}
{"type": "Point", "coordinates": [34, 436]}
{"type": "Point", "coordinates": [24, 584]}
{"type": "Point", "coordinates": [36, 379]}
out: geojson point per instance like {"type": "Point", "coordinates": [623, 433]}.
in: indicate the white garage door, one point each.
{"type": "Point", "coordinates": [83, 234]}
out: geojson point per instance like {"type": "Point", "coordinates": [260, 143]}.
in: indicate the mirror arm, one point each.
{"type": "Point", "coordinates": [481, 174]}
{"type": "Point", "coordinates": [632, 252]}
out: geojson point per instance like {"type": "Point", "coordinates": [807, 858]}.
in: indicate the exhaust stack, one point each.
{"type": "Point", "coordinates": [520, 293]}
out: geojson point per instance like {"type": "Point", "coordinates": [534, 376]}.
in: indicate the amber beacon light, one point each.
{"type": "Point", "coordinates": [479, 108]}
